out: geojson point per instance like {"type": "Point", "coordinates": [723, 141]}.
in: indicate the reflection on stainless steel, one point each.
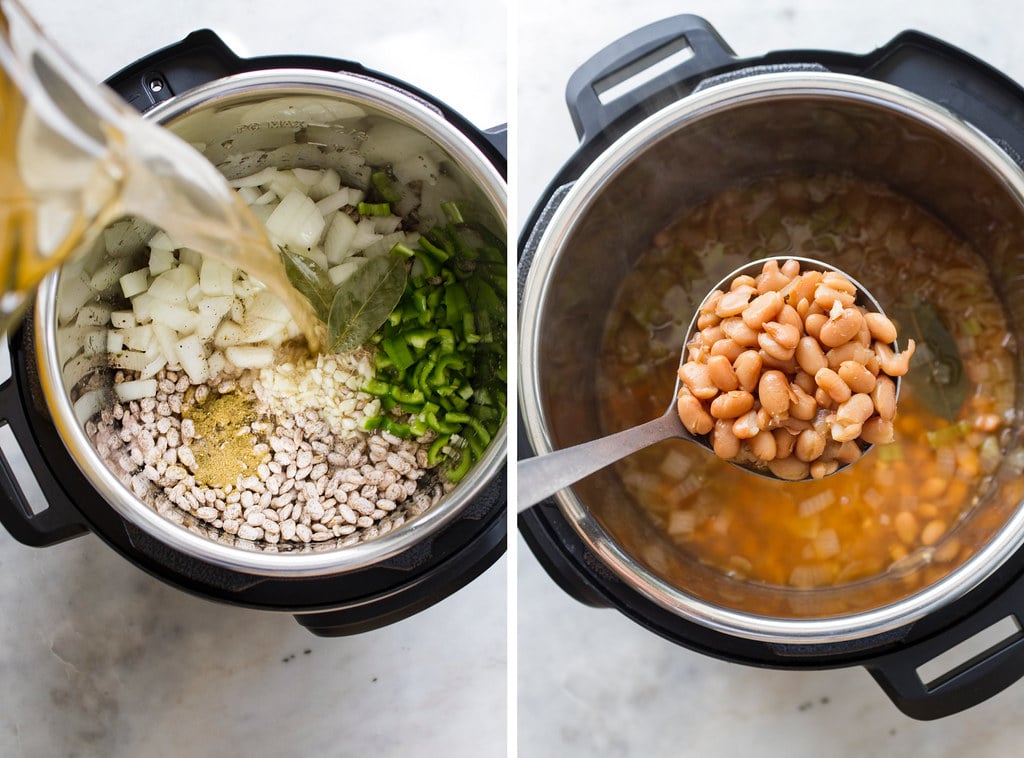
{"type": "Point", "coordinates": [767, 124]}
{"type": "Point", "coordinates": [245, 122]}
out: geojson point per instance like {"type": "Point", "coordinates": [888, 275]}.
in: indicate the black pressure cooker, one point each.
{"type": "Point", "coordinates": [711, 122]}
{"type": "Point", "coordinates": [53, 488]}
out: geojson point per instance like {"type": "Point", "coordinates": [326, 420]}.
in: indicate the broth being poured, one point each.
{"type": "Point", "coordinates": [73, 160]}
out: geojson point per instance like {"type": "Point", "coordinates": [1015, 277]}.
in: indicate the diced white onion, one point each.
{"type": "Point", "coordinates": [161, 260]}
{"type": "Point", "coordinates": [135, 283]}
{"type": "Point", "coordinates": [166, 338]}
{"type": "Point", "coordinates": [267, 305]}
{"type": "Point", "coordinates": [248, 194]}
{"type": "Point", "coordinates": [91, 403]}
{"type": "Point", "coordinates": [296, 221]}
{"type": "Point", "coordinates": [341, 198]}
{"type": "Point", "coordinates": [137, 337]}
{"type": "Point", "coordinates": [329, 183]}
{"type": "Point", "coordinates": [162, 241]}
{"type": "Point", "coordinates": [177, 317]}
{"type": "Point", "coordinates": [249, 356]}
{"type": "Point", "coordinates": [135, 390]}
{"type": "Point", "coordinates": [365, 235]}
{"type": "Point", "coordinates": [215, 278]}
{"type": "Point", "coordinates": [192, 357]}
{"type": "Point", "coordinates": [344, 270]}
{"type": "Point", "coordinates": [255, 180]}
{"type": "Point", "coordinates": [114, 342]}
{"type": "Point", "coordinates": [284, 183]}
{"type": "Point", "coordinates": [308, 176]}
{"type": "Point", "coordinates": [338, 240]}
{"type": "Point", "coordinates": [129, 360]}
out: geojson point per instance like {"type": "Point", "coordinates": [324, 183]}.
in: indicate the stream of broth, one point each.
{"type": "Point", "coordinates": [72, 161]}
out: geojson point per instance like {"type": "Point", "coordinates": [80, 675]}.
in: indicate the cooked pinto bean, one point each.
{"type": "Point", "coordinates": [833, 384]}
{"type": "Point", "coordinates": [881, 328]}
{"type": "Point", "coordinates": [856, 376]}
{"type": "Point", "coordinates": [841, 329]}
{"type": "Point", "coordinates": [721, 373]}
{"type": "Point", "coordinates": [725, 443]}
{"type": "Point", "coordinates": [762, 308]}
{"type": "Point", "coordinates": [697, 378]}
{"type": "Point", "coordinates": [748, 369]}
{"type": "Point", "coordinates": [692, 414]}
{"type": "Point", "coordinates": [786, 364]}
{"type": "Point", "coordinates": [810, 356]}
{"type": "Point", "coordinates": [732, 404]}
{"type": "Point", "coordinates": [773, 392]}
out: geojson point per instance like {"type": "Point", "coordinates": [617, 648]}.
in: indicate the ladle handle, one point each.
{"type": "Point", "coordinates": [541, 477]}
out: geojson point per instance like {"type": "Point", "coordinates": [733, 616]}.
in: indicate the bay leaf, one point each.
{"type": "Point", "coordinates": [936, 376]}
{"type": "Point", "coordinates": [364, 301]}
{"type": "Point", "coordinates": [309, 278]}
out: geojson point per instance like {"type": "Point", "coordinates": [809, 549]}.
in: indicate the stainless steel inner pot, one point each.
{"type": "Point", "coordinates": [727, 134]}
{"type": "Point", "coordinates": [242, 123]}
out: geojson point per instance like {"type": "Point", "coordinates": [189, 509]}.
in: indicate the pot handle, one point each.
{"type": "Point", "coordinates": [497, 137]}
{"type": "Point", "coordinates": [34, 508]}
{"type": "Point", "coordinates": [628, 57]}
{"type": "Point", "coordinates": [199, 58]}
{"type": "Point", "coordinates": [987, 648]}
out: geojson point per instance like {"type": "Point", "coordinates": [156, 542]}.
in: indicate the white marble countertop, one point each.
{"type": "Point", "coordinates": [100, 659]}
{"type": "Point", "coordinates": [593, 683]}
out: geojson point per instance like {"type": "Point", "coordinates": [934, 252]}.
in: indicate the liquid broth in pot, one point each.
{"type": "Point", "coordinates": [898, 506]}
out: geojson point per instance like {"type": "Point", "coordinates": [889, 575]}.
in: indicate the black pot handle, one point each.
{"type": "Point", "coordinates": [497, 137]}
{"type": "Point", "coordinates": [984, 674]}
{"type": "Point", "coordinates": [199, 58]}
{"type": "Point", "coordinates": [635, 53]}
{"type": "Point", "coordinates": [33, 506]}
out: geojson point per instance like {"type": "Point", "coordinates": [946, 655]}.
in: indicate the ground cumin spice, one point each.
{"type": "Point", "coordinates": [224, 444]}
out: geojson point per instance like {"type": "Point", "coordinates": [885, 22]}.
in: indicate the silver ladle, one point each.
{"type": "Point", "coordinates": [540, 477]}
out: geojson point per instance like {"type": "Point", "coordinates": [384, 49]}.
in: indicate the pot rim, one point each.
{"type": "Point", "coordinates": [313, 562]}
{"type": "Point", "coordinates": [708, 102]}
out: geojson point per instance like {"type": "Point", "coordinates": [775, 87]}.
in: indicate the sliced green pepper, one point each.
{"type": "Point", "coordinates": [374, 209]}
{"type": "Point", "coordinates": [461, 468]}
{"type": "Point", "coordinates": [396, 428]}
{"type": "Point", "coordinates": [398, 351]}
{"type": "Point", "coordinates": [377, 387]}
{"type": "Point", "coordinates": [410, 397]}
{"type": "Point", "coordinates": [435, 453]}
{"type": "Point", "coordinates": [385, 188]}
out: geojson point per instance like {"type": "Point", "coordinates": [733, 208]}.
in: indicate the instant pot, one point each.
{"type": "Point", "coordinates": [51, 486]}
{"type": "Point", "coordinates": [935, 123]}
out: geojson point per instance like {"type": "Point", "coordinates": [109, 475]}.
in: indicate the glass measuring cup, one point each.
{"type": "Point", "coordinates": [74, 158]}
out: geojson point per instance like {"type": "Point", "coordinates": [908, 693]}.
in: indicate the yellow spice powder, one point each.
{"type": "Point", "coordinates": [224, 442]}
